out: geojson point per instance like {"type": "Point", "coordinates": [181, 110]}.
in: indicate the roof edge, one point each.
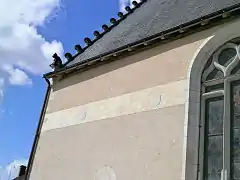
{"type": "Point", "coordinates": [202, 20]}
{"type": "Point", "coordinates": [106, 29]}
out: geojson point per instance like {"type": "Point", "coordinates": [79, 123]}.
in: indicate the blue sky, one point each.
{"type": "Point", "coordinates": [29, 39]}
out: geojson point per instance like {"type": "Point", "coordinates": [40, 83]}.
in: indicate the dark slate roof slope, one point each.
{"type": "Point", "coordinates": [153, 17]}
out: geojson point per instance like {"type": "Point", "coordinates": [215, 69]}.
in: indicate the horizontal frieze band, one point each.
{"type": "Point", "coordinates": [144, 100]}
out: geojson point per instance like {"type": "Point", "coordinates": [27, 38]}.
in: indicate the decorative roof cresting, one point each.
{"type": "Point", "coordinates": [114, 22]}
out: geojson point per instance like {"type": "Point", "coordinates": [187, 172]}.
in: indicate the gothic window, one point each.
{"type": "Point", "coordinates": [220, 115]}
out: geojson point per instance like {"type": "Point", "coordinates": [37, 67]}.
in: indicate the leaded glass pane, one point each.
{"type": "Point", "coordinates": [236, 70]}
{"type": "Point", "coordinates": [236, 109]}
{"type": "Point", "coordinates": [214, 88]}
{"type": "Point", "coordinates": [214, 139]}
{"type": "Point", "coordinates": [226, 56]}
{"type": "Point", "coordinates": [235, 156]}
{"type": "Point", "coordinates": [214, 158]}
{"type": "Point", "coordinates": [215, 74]}
{"type": "Point", "coordinates": [236, 171]}
{"type": "Point", "coordinates": [214, 117]}
{"type": "Point", "coordinates": [236, 145]}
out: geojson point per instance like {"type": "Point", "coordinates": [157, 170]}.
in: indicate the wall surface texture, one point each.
{"type": "Point", "coordinates": [121, 121]}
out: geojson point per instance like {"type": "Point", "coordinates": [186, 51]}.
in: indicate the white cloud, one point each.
{"type": "Point", "coordinates": [17, 76]}
{"type": "Point", "coordinates": [123, 4]}
{"type": "Point", "coordinates": [1, 88]}
{"type": "Point", "coordinates": [22, 49]}
{"type": "Point", "coordinates": [11, 171]}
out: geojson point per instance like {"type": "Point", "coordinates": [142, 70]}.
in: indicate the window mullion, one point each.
{"type": "Point", "coordinates": [227, 130]}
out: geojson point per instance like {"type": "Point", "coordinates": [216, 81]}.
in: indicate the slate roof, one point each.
{"type": "Point", "coordinates": [153, 17]}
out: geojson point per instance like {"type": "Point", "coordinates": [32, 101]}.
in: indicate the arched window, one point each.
{"type": "Point", "coordinates": [219, 157]}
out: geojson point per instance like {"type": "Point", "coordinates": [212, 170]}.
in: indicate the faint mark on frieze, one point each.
{"type": "Point", "coordinates": [159, 100]}
{"type": "Point", "coordinates": [105, 173]}
{"type": "Point", "coordinates": [82, 113]}
{"type": "Point", "coordinates": [156, 101]}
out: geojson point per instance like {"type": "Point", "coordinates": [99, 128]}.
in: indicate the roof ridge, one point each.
{"type": "Point", "coordinates": [114, 22]}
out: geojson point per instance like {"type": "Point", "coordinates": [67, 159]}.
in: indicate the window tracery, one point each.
{"type": "Point", "coordinates": [220, 115]}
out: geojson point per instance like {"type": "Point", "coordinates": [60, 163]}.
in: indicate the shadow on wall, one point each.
{"type": "Point", "coordinates": [122, 61]}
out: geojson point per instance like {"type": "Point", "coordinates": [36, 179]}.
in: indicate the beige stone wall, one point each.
{"type": "Point", "coordinates": [123, 120]}
{"type": "Point", "coordinates": [136, 146]}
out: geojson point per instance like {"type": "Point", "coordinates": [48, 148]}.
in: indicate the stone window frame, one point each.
{"type": "Point", "coordinates": [191, 147]}
{"type": "Point", "coordinates": [223, 93]}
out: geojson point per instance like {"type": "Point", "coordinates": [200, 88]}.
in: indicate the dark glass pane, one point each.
{"type": "Point", "coordinates": [214, 119]}
{"type": "Point", "coordinates": [236, 104]}
{"type": "Point", "coordinates": [213, 157]}
{"type": "Point", "coordinates": [236, 146]}
{"type": "Point", "coordinates": [235, 149]}
{"type": "Point", "coordinates": [236, 171]}
{"type": "Point", "coordinates": [214, 88]}
{"type": "Point", "coordinates": [226, 56]}
{"type": "Point", "coordinates": [215, 74]}
{"type": "Point", "coordinates": [236, 70]}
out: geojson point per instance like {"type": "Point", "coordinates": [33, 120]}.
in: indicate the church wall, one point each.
{"type": "Point", "coordinates": [124, 120]}
{"type": "Point", "coordinates": [134, 146]}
